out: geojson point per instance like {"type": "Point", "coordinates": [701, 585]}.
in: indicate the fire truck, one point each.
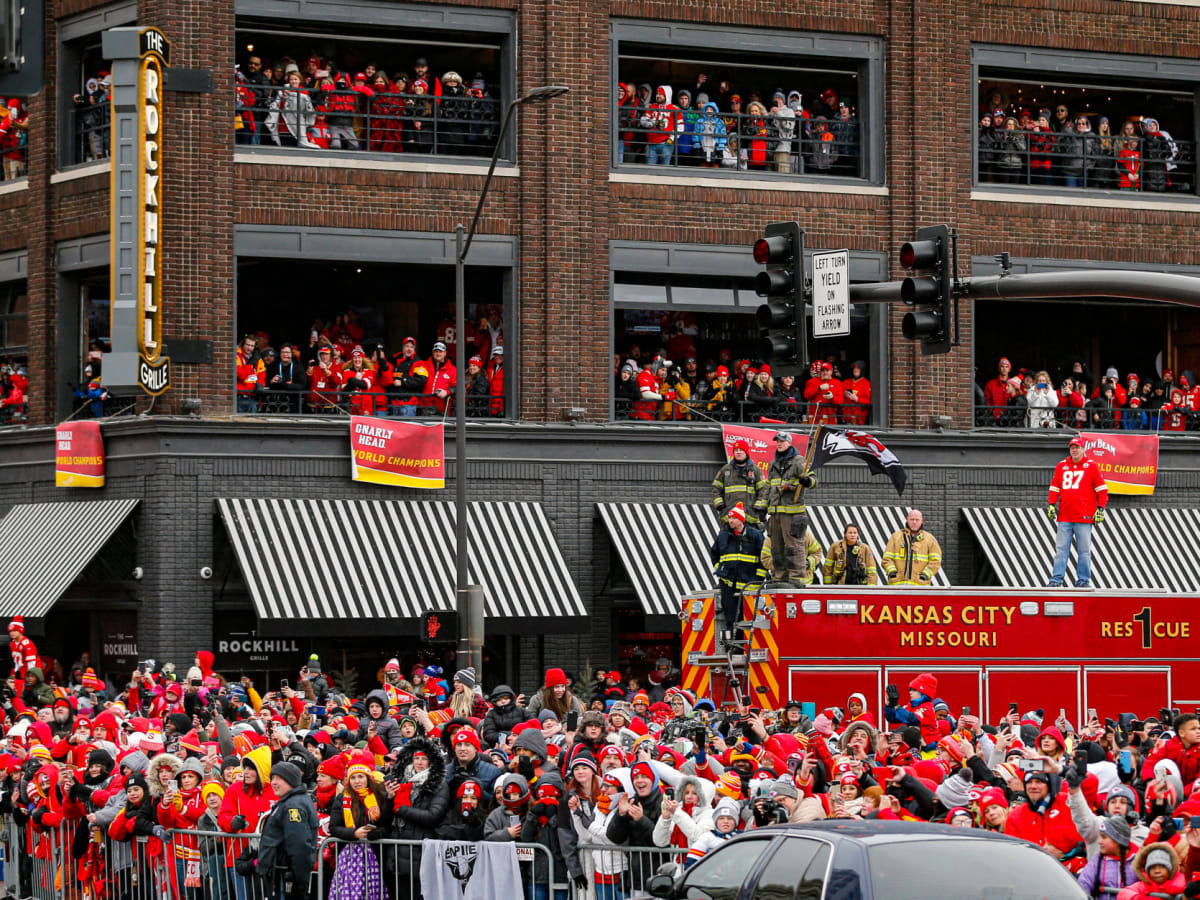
{"type": "Point", "coordinates": [1051, 649]}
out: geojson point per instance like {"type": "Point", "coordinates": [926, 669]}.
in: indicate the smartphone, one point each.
{"type": "Point", "coordinates": [669, 793]}
{"type": "Point", "coordinates": [283, 684]}
{"type": "Point", "coordinates": [1012, 707]}
{"type": "Point", "coordinates": [316, 711]}
{"type": "Point", "coordinates": [572, 720]}
{"type": "Point", "coordinates": [1030, 765]}
{"type": "Point", "coordinates": [513, 820]}
{"type": "Point", "coordinates": [173, 785]}
{"type": "Point", "coordinates": [1062, 712]}
{"type": "Point", "coordinates": [1164, 714]}
{"type": "Point", "coordinates": [966, 710]}
{"type": "Point", "coordinates": [794, 762]}
{"type": "Point", "coordinates": [1091, 713]}
{"type": "Point", "coordinates": [1179, 823]}
{"type": "Point", "coordinates": [1126, 758]}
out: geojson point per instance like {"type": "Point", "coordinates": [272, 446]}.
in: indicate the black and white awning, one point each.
{"type": "Point", "coordinates": [1132, 549]}
{"type": "Point", "coordinates": [356, 560]}
{"type": "Point", "coordinates": [45, 546]}
{"type": "Point", "coordinates": [665, 546]}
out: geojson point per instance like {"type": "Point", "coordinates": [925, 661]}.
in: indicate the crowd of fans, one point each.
{"type": "Point", "coordinates": [315, 104]}
{"type": "Point", "coordinates": [657, 387]}
{"type": "Point", "coordinates": [1054, 146]}
{"type": "Point", "coordinates": [339, 370]}
{"type": "Point", "coordinates": [168, 757]}
{"type": "Point", "coordinates": [1072, 398]}
{"type": "Point", "coordinates": [711, 125]}
{"type": "Point", "coordinates": [14, 389]}
{"type": "Point", "coordinates": [14, 139]}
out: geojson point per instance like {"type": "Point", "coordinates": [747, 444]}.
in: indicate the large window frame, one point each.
{"type": "Point", "coordinates": [1038, 64]}
{"type": "Point", "coordinates": [868, 50]}
{"type": "Point", "coordinates": [664, 260]}
{"type": "Point", "coordinates": [348, 245]}
{"type": "Point", "coordinates": [451, 21]}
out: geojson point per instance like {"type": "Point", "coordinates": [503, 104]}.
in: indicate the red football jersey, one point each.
{"type": "Point", "coordinates": [1078, 488]}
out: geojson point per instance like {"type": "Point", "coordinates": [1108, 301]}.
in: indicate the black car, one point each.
{"type": "Point", "coordinates": [871, 860]}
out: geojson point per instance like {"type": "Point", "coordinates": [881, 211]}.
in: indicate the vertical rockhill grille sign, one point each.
{"type": "Point", "coordinates": [139, 57]}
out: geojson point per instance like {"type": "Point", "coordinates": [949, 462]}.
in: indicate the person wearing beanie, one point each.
{"type": "Point", "coordinates": [1159, 873]}
{"type": "Point", "coordinates": [287, 852]}
{"type": "Point", "coordinates": [1111, 869]}
{"type": "Point", "coordinates": [740, 481]}
{"type": "Point", "coordinates": [469, 810]}
{"type": "Point", "coordinates": [638, 831]}
{"type": "Point", "coordinates": [504, 715]}
{"type": "Point", "coordinates": [738, 562]}
{"type": "Point", "coordinates": [470, 763]}
{"type": "Point", "coordinates": [727, 816]}
{"type": "Point", "coordinates": [1044, 818]}
{"type": "Point", "coordinates": [24, 651]}
{"type": "Point", "coordinates": [464, 701]}
{"type": "Point", "coordinates": [556, 695]}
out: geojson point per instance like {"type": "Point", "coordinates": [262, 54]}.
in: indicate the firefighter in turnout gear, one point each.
{"type": "Point", "coordinates": [786, 482]}
{"type": "Point", "coordinates": [737, 561]}
{"type": "Point", "coordinates": [812, 559]}
{"type": "Point", "coordinates": [912, 555]}
{"type": "Point", "coordinates": [740, 481]}
{"type": "Point", "coordinates": [850, 561]}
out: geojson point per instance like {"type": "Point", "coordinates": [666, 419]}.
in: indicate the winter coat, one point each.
{"type": "Point", "coordinates": [386, 728]}
{"type": "Point", "coordinates": [1041, 408]}
{"type": "Point", "coordinates": [1173, 885]}
{"type": "Point", "coordinates": [295, 107]}
{"type": "Point", "coordinates": [1049, 826]}
{"type": "Point", "coordinates": [289, 837]}
{"type": "Point", "coordinates": [502, 719]}
{"type": "Point", "coordinates": [835, 564]}
{"type": "Point", "coordinates": [428, 802]}
{"type": "Point", "coordinates": [691, 825]}
{"type": "Point", "coordinates": [626, 832]}
{"type": "Point", "coordinates": [1011, 154]}
{"type": "Point", "coordinates": [744, 484]}
{"type": "Point", "coordinates": [711, 137]}
{"type": "Point", "coordinates": [912, 559]}
{"type": "Point", "coordinates": [1107, 872]}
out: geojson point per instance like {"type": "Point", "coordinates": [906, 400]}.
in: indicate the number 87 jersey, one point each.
{"type": "Point", "coordinates": [1078, 488]}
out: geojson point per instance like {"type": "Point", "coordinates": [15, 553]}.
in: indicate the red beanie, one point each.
{"type": "Point", "coordinates": [555, 677]}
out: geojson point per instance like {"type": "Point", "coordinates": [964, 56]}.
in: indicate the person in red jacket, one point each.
{"type": "Point", "coordinates": [1045, 819]}
{"type": "Point", "coordinates": [649, 390]}
{"type": "Point", "coordinates": [361, 381]}
{"type": "Point", "coordinates": [856, 395]}
{"type": "Point", "coordinates": [995, 392]}
{"type": "Point", "coordinates": [324, 381]}
{"type": "Point", "coordinates": [1183, 750]}
{"type": "Point", "coordinates": [495, 375]}
{"type": "Point", "coordinates": [919, 711]}
{"type": "Point", "coordinates": [24, 653]}
{"type": "Point", "coordinates": [181, 809]}
{"type": "Point", "coordinates": [825, 394]}
{"type": "Point", "coordinates": [441, 380]}
{"type": "Point", "coordinates": [1081, 493]}
{"type": "Point", "coordinates": [250, 370]}
{"type": "Point", "coordinates": [661, 121]}
{"type": "Point", "coordinates": [245, 802]}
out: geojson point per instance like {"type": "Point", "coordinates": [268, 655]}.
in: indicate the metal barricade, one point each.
{"type": "Point", "coordinates": [614, 871]}
{"type": "Point", "coordinates": [396, 865]}
{"type": "Point", "coordinates": [202, 865]}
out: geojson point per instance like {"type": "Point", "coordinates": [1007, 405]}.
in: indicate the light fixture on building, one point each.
{"type": "Point", "coordinates": [191, 406]}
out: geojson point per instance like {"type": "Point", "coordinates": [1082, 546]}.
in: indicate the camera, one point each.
{"type": "Point", "coordinates": [769, 812]}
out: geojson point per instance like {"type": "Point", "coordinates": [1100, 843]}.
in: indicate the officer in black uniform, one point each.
{"type": "Point", "coordinates": [288, 850]}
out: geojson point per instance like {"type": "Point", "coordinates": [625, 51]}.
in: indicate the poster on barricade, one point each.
{"type": "Point", "coordinates": [1128, 462]}
{"type": "Point", "coordinates": [762, 448]}
{"type": "Point", "coordinates": [78, 455]}
{"type": "Point", "coordinates": [402, 454]}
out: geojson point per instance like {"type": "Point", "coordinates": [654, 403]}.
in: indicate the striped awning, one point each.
{"type": "Point", "coordinates": [665, 546]}
{"type": "Point", "coordinates": [45, 546]}
{"type": "Point", "coordinates": [354, 560]}
{"type": "Point", "coordinates": [1132, 549]}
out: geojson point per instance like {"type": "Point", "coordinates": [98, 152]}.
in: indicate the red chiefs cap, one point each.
{"type": "Point", "coordinates": [1076, 442]}
{"type": "Point", "coordinates": [409, 340]}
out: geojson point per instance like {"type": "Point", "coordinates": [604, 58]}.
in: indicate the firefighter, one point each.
{"type": "Point", "coordinates": [812, 559]}
{"type": "Point", "coordinates": [850, 561]}
{"type": "Point", "coordinates": [740, 481]}
{"type": "Point", "coordinates": [786, 482]}
{"type": "Point", "coordinates": [736, 556]}
{"type": "Point", "coordinates": [912, 555]}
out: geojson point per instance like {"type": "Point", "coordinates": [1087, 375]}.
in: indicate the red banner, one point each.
{"type": "Point", "coordinates": [762, 447]}
{"type": "Point", "coordinates": [1128, 462]}
{"type": "Point", "coordinates": [78, 455]}
{"type": "Point", "coordinates": [396, 452]}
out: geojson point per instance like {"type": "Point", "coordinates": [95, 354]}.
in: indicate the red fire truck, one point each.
{"type": "Point", "coordinates": [989, 647]}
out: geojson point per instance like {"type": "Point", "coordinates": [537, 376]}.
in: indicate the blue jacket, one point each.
{"type": "Point", "coordinates": [737, 558]}
{"type": "Point", "coordinates": [480, 769]}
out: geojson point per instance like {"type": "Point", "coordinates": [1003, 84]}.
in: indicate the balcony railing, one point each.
{"type": "Point", "coordinates": [746, 411]}
{"type": "Point", "coordinates": [1163, 420]}
{"type": "Point", "coordinates": [774, 144]}
{"type": "Point", "coordinates": [364, 403]}
{"type": "Point", "coordinates": [356, 121]}
{"type": "Point", "coordinates": [1087, 161]}
{"type": "Point", "coordinates": [90, 128]}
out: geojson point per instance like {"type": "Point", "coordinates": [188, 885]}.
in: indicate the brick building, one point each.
{"type": "Point", "coordinates": [584, 250]}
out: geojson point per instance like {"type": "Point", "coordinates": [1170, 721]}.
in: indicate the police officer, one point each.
{"type": "Point", "coordinates": [740, 481]}
{"type": "Point", "coordinates": [736, 557]}
{"type": "Point", "coordinates": [288, 850]}
{"type": "Point", "coordinates": [787, 480]}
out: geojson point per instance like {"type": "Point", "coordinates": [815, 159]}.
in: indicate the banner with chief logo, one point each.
{"type": "Point", "coordinates": [761, 442]}
{"type": "Point", "coordinates": [1128, 462]}
{"type": "Point", "coordinates": [396, 452]}
{"type": "Point", "coordinates": [78, 455]}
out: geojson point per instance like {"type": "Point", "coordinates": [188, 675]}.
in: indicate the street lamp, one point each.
{"type": "Point", "coordinates": [469, 597]}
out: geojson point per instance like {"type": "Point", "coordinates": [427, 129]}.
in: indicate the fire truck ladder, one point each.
{"type": "Point", "coordinates": [734, 654]}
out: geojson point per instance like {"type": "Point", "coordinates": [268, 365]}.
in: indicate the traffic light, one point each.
{"type": "Point", "coordinates": [931, 290]}
{"type": "Point", "coordinates": [439, 627]}
{"type": "Point", "coordinates": [781, 318]}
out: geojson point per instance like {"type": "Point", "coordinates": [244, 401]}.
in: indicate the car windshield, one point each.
{"type": "Point", "coordinates": [967, 870]}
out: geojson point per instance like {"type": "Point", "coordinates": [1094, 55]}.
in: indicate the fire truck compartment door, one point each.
{"type": "Point", "coordinates": [827, 686]}
{"type": "Point", "coordinates": [959, 686]}
{"type": "Point", "coordinates": [1050, 688]}
{"type": "Point", "coordinates": [1113, 690]}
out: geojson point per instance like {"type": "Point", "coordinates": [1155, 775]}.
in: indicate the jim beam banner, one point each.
{"type": "Point", "coordinates": [138, 214]}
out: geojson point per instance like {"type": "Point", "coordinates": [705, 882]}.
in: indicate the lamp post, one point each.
{"type": "Point", "coordinates": [469, 597]}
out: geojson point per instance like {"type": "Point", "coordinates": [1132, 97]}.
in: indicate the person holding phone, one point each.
{"type": "Point", "coordinates": [365, 814]}
{"type": "Point", "coordinates": [420, 800]}
{"type": "Point", "coordinates": [287, 852]}
{"type": "Point", "coordinates": [1042, 401]}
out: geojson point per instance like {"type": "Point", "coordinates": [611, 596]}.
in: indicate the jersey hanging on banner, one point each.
{"type": "Point", "coordinates": [461, 870]}
{"type": "Point", "coordinates": [1128, 462]}
{"type": "Point", "coordinates": [78, 455]}
{"type": "Point", "coordinates": [760, 441]}
{"type": "Point", "coordinates": [403, 454]}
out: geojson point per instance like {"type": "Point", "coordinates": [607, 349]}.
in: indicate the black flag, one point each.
{"type": "Point", "coordinates": [831, 443]}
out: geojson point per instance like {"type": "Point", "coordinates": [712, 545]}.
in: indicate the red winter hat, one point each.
{"type": "Point", "coordinates": [925, 683]}
{"type": "Point", "coordinates": [1004, 362]}
{"type": "Point", "coordinates": [555, 677]}
{"type": "Point", "coordinates": [357, 351]}
{"type": "Point", "coordinates": [334, 767]}
{"type": "Point", "coordinates": [17, 624]}
{"type": "Point", "coordinates": [466, 736]}
{"type": "Point", "coordinates": [611, 750]}
{"type": "Point", "coordinates": [643, 768]}
{"type": "Point", "coordinates": [475, 360]}
{"type": "Point", "coordinates": [470, 788]}
{"type": "Point", "coordinates": [950, 745]}
{"type": "Point", "coordinates": [722, 372]}
{"type": "Point", "coordinates": [738, 512]}
{"type": "Point", "coordinates": [91, 682]}
{"type": "Point", "coordinates": [741, 445]}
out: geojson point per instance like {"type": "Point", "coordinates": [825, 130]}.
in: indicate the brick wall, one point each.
{"type": "Point", "coordinates": [563, 207]}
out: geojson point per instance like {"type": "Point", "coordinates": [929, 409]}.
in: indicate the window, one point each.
{"type": "Point", "coordinates": [719, 874]}
{"type": "Point", "coordinates": [14, 140]}
{"type": "Point", "coordinates": [796, 871]}
{"type": "Point", "coordinates": [1110, 123]}
{"type": "Point", "coordinates": [14, 340]}
{"type": "Point", "coordinates": [696, 306]}
{"type": "Point", "coordinates": [785, 104]}
{"type": "Point", "coordinates": [374, 307]}
{"type": "Point", "coordinates": [433, 83]}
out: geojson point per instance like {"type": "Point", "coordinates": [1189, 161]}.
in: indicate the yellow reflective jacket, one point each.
{"type": "Point", "coordinates": [912, 559]}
